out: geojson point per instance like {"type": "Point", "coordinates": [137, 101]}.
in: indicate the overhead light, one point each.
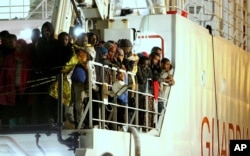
{"type": "Point", "coordinates": [25, 34]}
{"type": "Point", "coordinates": [78, 30]}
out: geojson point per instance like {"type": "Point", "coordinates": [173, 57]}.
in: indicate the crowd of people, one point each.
{"type": "Point", "coordinates": [29, 82]}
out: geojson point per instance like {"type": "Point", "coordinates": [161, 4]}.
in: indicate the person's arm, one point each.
{"type": "Point", "coordinates": [79, 75]}
{"type": "Point", "coordinates": [170, 80]}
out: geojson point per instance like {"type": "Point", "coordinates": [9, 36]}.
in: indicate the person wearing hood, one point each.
{"type": "Point", "coordinates": [47, 65]}
{"type": "Point", "coordinates": [46, 53]}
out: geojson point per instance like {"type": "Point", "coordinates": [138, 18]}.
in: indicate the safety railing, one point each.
{"type": "Point", "coordinates": [24, 10]}
{"type": "Point", "coordinates": [107, 118]}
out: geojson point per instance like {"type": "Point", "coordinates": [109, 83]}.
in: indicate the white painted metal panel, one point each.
{"type": "Point", "coordinates": [201, 119]}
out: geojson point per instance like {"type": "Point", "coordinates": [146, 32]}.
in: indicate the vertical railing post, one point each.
{"type": "Point", "coordinates": [102, 98]}
{"type": "Point", "coordinates": [137, 107]}
{"type": "Point", "coordinates": [60, 93]}
{"type": "Point", "coordinates": [147, 103]}
{"type": "Point", "coordinates": [90, 94]}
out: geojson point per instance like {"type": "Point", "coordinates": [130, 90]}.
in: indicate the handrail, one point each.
{"type": "Point", "coordinates": [102, 120]}
{"type": "Point", "coordinates": [135, 134]}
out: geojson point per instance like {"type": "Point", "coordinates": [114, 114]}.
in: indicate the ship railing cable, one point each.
{"type": "Point", "coordinates": [31, 83]}
{"type": "Point", "coordinates": [107, 114]}
{"type": "Point", "coordinates": [215, 88]}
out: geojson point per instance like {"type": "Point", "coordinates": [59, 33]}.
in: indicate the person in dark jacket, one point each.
{"type": "Point", "coordinates": [46, 67]}
{"type": "Point", "coordinates": [47, 51]}
{"type": "Point", "coordinates": [143, 75]}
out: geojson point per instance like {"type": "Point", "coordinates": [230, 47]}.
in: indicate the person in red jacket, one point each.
{"type": "Point", "coordinates": [13, 83]}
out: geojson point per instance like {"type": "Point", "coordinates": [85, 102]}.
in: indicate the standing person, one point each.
{"type": "Point", "coordinates": [86, 38]}
{"type": "Point", "coordinates": [122, 78]}
{"type": "Point", "coordinates": [155, 67]}
{"type": "Point", "coordinates": [7, 84]}
{"type": "Point", "coordinates": [3, 38]}
{"type": "Point", "coordinates": [46, 67]}
{"type": "Point", "coordinates": [96, 55]}
{"type": "Point", "coordinates": [47, 51]}
{"type": "Point", "coordinates": [35, 35]}
{"type": "Point", "coordinates": [165, 75]}
{"type": "Point", "coordinates": [143, 75]}
{"type": "Point", "coordinates": [121, 99]}
{"type": "Point", "coordinates": [130, 62]}
{"type": "Point", "coordinates": [166, 79]}
{"type": "Point", "coordinates": [109, 74]}
{"type": "Point", "coordinates": [68, 61]}
{"type": "Point", "coordinates": [132, 82]}
{"type": "Point", "coordinates": [79, 88]}
{"type": "Point", "coordinates": [13, 83]}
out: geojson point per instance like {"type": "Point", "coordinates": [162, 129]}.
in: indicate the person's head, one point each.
{"type": "Point", "coordinates": [144, 53]}
{"type": "Point", "coordinates": [102, 50]}
{"type": "Point", "coordinates": [111, 50]}
{"type": "Point", "coordinates": [119, 54]}
{"type": "Point", "coordinates": [3, 37]}
{"type": "Point", "coordinates": [83, 56]}
{"type": "Point", "coordinates": [144, 62]}
{"type": "Point", "coordinates": [48, 31]}
{"type": "Point", "coordinates": [107, 154]}
{"type": "Point", "coordinates": [155, 58]}
{"type": "Point", "coordinates": [165, 64]}
{"type": "Point", "coordinates": [21, 46]}
{"type": "Point", "coordinates": [126, 46]}
{"type": "Point", "coordinates": [101, 43]}
{"type": "Point", "coordinates": [131, 62]}
{"type": "Point", "coordinates": [63, 38]}
{"type": "Point", "coordinates": [92, 38]}
{"type": "Point", "coordinates": [11, 41]}
{"type": "Point", "coordinates": [85, 40]}
{"type": "Point", "coordinates": [82, 39]}
{"type": "Point", "coordinates": [157, 49]}
{"type": "Point", "coordinates": [35, 35]}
